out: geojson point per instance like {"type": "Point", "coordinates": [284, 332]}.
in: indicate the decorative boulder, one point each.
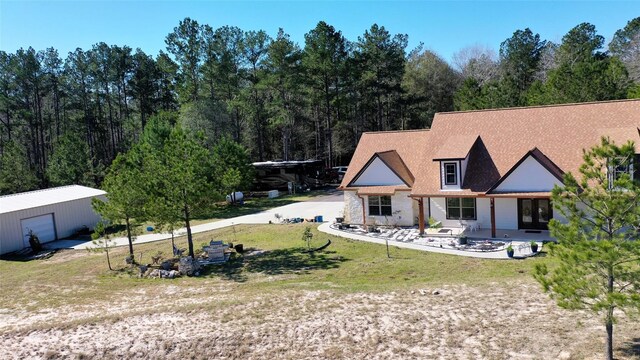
{"type": "Point", "coordinates": [188, 266]}
{"type": "Point", "coordinates": [166, 265]}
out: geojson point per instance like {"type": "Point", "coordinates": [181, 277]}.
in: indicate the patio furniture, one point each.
{"type": "Point", "coordinates": [155, 260]}
{"type": "Point", "coordinates": [178, 252]}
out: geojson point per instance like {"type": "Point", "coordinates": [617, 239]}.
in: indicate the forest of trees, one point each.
{"type": "Point", "coordinates": [65, 119]}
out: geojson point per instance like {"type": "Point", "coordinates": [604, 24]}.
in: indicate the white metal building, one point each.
{"type": "Point", "coordinates": [51, 214]}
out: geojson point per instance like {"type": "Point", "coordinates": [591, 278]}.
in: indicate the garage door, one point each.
{"type": "Point", "coordinates": [40, 225]}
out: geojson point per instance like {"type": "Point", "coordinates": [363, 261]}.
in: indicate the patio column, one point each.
{"type": "Point", "coordinates": [421, 215]}
{"type": "Point", "coordinates": [493, 217]}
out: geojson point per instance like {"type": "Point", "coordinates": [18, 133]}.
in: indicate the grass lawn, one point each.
{"type": "Point", "coordinates": [348, 301]}
{"type": "Point", "coordinates": [223, 210]}
{"type": "Point", "coordinates": [347, 265]}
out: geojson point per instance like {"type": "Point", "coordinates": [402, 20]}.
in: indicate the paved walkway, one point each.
{"type": "Point", "coordinates": [520, 250]}
{"type": "Point", "coordinates": [329, 207]}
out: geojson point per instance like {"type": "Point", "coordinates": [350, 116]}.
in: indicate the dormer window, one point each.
{"type": "Point", "coordinates": [619, 167]}
{"type": "Point", "coordinates": [450, 174]}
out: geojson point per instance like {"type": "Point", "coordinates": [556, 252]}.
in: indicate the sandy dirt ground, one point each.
{"type": "Point", "coordinates": [174, 322]}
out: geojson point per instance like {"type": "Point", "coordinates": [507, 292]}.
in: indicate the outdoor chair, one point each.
{"type": "Point", "coordinates": [178, 252]}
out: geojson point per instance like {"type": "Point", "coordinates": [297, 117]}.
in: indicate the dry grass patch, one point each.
{"type": "Point", "coordinates": [348, 302]}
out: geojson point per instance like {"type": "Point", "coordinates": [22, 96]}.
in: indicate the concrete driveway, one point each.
{"type": "Point", "coordinates": [329, 206]}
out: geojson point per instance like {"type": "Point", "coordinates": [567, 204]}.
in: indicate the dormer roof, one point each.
{"type": "Point", "coordinates": [456, 147]}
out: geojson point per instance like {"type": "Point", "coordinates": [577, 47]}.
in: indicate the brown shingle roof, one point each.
{"type": "Point", "coordinates": [456, 147]}
{"type": "Point", "coordinates": [382, 190]}
{"type": "Point", "coordinates": [622, 135]}
{"type": "Point", "coordinates": [561, 132]}
{"type": "Point", "coordinates": [409, 146]}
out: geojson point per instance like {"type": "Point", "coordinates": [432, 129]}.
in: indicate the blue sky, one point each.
{"type": "Point", "coordinates": [445, 27]}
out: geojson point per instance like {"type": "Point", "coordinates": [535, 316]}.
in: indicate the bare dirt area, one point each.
{"type": "Point", "coordinates": [213, 321]}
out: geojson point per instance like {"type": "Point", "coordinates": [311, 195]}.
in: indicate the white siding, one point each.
{"type": "Point", "coordinates": [68, 216]}
{"type": "Point", "coordinates": [506, 214]}
{"type": "Point", "coordinates": [377, 173]}
{"type": "Point", "coordinates": [530, 175]}
{"type": "Point", "coordinates": [401, 208]}
{"type": "Point", "coordinates": [442, 175]}
{"type": "Point", "coordinates": [439, 212]}
{"type": "Point", "coordinates": [483, 212]}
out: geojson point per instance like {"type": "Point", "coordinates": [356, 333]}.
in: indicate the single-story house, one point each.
{"type": "Point", "coordinates": [51, 214]}
{"type": "Point", "coordinates": [488, 169]}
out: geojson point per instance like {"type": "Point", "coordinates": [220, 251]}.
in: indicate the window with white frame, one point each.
{"type": "Point", "coordinates": [380, 205]}
{"type": "Point", "coordinates": [461, 208]}
{"type": "Point", "coordinates": [618, 167]}
{"type": "Point", "coordinates": [450, 173]}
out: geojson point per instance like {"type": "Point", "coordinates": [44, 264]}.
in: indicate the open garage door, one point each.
{"type": "Point", "coordinates": [42, 226]}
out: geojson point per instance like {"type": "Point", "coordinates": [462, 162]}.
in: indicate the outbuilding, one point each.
{"type": "Point", "coordinates": [51, 214]}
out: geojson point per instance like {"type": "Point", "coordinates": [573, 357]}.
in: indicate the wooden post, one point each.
{"type": "Point", "coordinates": [493, 217]}
{"type": "Point", "coordinates": [421, 215]}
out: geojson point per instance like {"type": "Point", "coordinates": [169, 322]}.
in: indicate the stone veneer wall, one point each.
{"type": "Point", "coordinates": [401, 205]}
{"type": "Point", "coordinates": [352, 208]}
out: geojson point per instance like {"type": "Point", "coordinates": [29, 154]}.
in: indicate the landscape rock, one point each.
{"type": "Point", "coordinates": [435, 292]}
{"type": "Point", "coordinates": [188, 266]}
{"type": "Point", "coordinates": [164, 274]}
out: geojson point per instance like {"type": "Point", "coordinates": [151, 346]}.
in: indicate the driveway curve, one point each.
{"type": "Point", "coordinates": [328, 206]}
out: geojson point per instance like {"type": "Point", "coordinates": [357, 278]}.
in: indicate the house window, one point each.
{"type": "Point", "coordinates": [450, 174]}
{"type": "Point", "coordinates": [461, 208]}
{"type": "Point", "coordinates": [619, 167]}
{"type": "Point", "coordinates": [379, 205]}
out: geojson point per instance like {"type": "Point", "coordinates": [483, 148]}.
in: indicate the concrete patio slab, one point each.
{"type": "Point", "coordinates": [521, 248]}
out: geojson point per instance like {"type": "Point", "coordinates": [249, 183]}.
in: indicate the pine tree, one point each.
{"type": "Point", "coordinates": [598, 249]}
{"type": "Point", "coordinates": [126, 188]}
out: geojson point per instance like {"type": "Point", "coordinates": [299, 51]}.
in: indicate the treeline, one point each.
{"type": "Point", "coordinates": [63, 121]}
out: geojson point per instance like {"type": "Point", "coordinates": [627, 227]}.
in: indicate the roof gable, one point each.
{"type": "Point", "coordinates": [384, 168]}
{"type": "Point", "coordinates": [533, 172]}
{"type": "Point", "coordinates": [409, 146]}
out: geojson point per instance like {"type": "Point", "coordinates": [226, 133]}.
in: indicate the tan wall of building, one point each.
{"type": "Point", "coordinates": [68, 217]}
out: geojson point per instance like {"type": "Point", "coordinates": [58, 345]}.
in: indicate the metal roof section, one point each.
{"type": "Point", "coordinates": [284, 163]}
{"type": "Point", "coordinates": [37, 198]}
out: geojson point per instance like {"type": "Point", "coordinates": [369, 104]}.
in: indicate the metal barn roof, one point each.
{"type": "Point", "coordinates": [32, 199]}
